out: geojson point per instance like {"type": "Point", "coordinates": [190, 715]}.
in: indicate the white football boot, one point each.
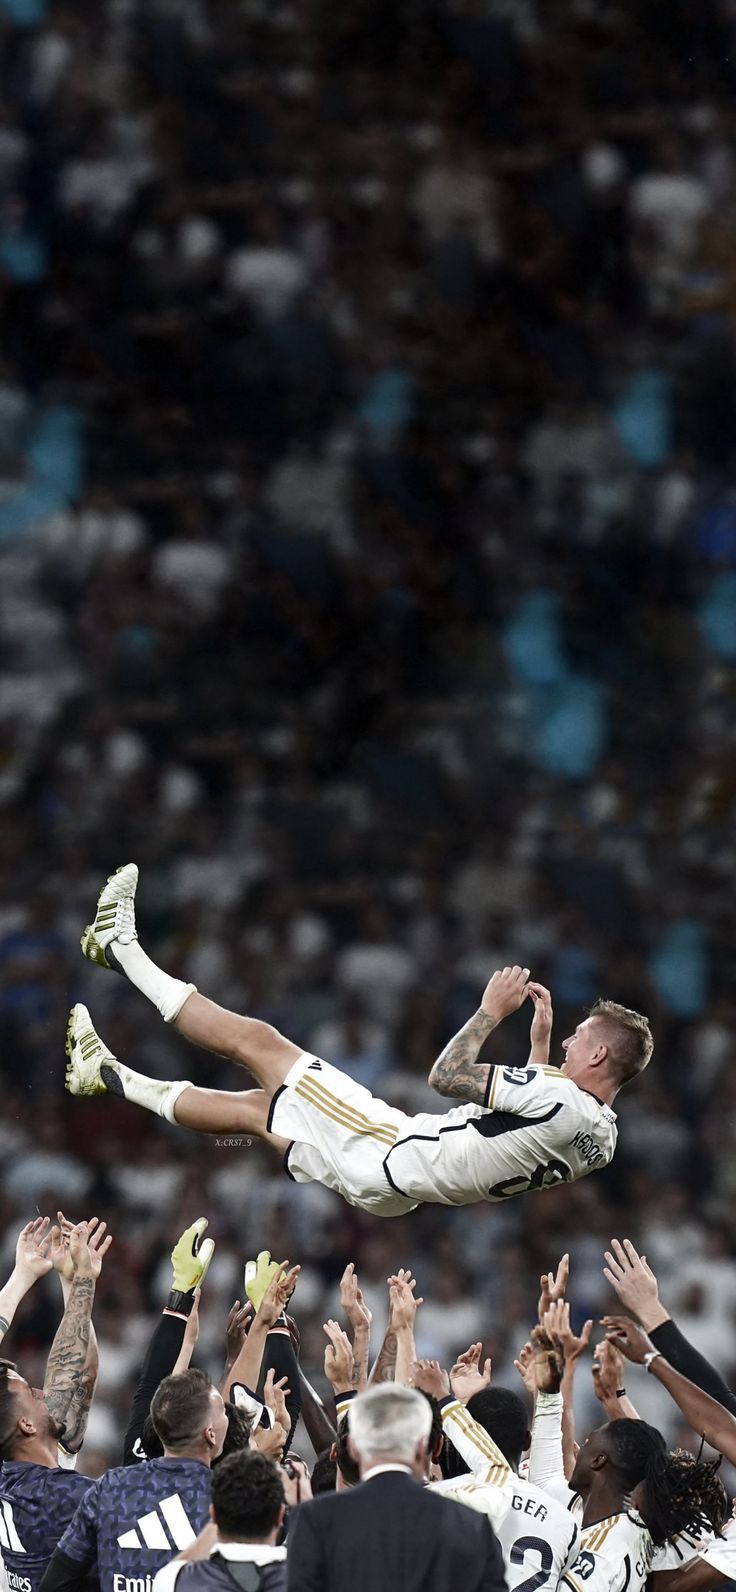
{"type": "Point", "coordinates": [114, 918]}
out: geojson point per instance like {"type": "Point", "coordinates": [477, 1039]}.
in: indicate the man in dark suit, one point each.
{"type": "Point", "coordinates": [391, 1533]}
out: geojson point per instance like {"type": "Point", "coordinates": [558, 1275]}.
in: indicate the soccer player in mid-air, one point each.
{"type": "Point", "coordinates": [518, 1129]}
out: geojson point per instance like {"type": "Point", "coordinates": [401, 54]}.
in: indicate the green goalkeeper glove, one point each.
{"type": "Point", "coordinates": [190, 1259]}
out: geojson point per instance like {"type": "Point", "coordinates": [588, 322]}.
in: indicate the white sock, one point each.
{"type": "Point", "coordinates": [154, 1094]}
{"type": "Point", "coordinates": [168, 994]}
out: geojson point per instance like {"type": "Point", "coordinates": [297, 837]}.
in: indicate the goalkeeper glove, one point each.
{"type": "Point", "coordinates": [190, 1259]}
{"type": "Point", "coordinates": [258, 1275]}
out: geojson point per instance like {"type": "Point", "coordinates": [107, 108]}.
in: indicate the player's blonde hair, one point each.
{"type": "Point", "coordinates": [628, 1037]}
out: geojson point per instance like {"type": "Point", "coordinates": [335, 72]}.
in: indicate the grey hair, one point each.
{"type": "Point", "coordinates": [389, 1420]}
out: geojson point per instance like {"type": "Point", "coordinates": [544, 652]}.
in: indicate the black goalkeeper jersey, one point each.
{"type": "Point", "coordinates": [36, 1506]}
{"type": "Point", "coordinates": [135, 1518]}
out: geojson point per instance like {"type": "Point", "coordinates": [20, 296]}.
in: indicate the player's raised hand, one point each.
{"type": "Point", "coordinates": [525, 1367]}
{"type": "Point", "coordinates": [278, 1294]}
{"type": "Point", "coordinates": [352, 1301]}
{"type": "Point", "coordinates": [88, 1247]}
{"type": "Point", "coordinates": [340, 1367]}
{"type": "Point", "coordinates": [505, 992]}
{"type": "Point", "coordinates": [191, 1257]}
{"type": "Point", "coordinates": [274, 1397]}
{"type": "Point", "coordinates": [635, 1283]}
{"type": "Point", "coordinates": [466, 1376]}
{"type": "Point", "coordinates": [553, 1286]}
{"type": "Point", "coordinates": [429, 1377]}
{"type": "Point", "coordinates": [548, 1363]}
{"type": "Point", "coordinates": [236, 1329]}
{"type": "Point", "coordinates": [556, 1324]}
{"type": "Point", "coordinates": [628, 1337]}
{"type": "Point", "coordinates": [608, 1370]}
{"type": "Point", "coordinates": [403, 1303]}
{"type": "Point", "coordinates": [32, 1257]}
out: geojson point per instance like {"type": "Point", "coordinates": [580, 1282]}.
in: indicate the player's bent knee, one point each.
{"type": "Point", "coordinates": [259, 1045]}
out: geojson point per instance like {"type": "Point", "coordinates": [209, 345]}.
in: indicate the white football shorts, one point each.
{"type": "Point", "coordinates": [340, 1135]}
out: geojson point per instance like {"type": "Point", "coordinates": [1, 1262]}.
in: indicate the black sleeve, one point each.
{"type": "Point", "coordinates": [67, 1575]}
{"type": "Point", "coordinates": [320, 1431]}
{"type": "Point", "coordinates": [280, 1355]}
{"type": "Point", "coordinates": [686, 1359]}
{"type": "Point", "coordinates": [161, 1356]}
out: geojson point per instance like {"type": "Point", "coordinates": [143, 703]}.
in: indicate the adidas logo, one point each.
{"type": "Point", "coordinates": [314, 1066]}
{"type": "Point", "coordinates": [152, 1528]}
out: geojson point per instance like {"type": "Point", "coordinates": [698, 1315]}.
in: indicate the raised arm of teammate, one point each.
{"type": "Point", "coordinates": [32, 1261]}
{"type": "Point", "coordinates": [556, 1326]}
{"type": "Point", "coordinates": [706, 1416]}
{"type": "Point", "coordinates": [60, 1253]}
{"type": "Point", "coordinates": [608, 1370]}
{"type": "Point", "coordinates": [190, 1259]}
{"type": "Point", "coordinates": [636, 1285]}
{"type": "Point", "coordinates": [403, 1305]}
{"type": "Point", "coordinates": [456, 1071]}
{"type": "Point", "coordinates": [71, 1368]}
{"type": "Point", "coordinates": [360, 1319]}
{"type": "Point", "coordinates": [247, 1367]}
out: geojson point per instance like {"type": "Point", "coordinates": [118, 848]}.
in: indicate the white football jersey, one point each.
{"type": "Point", "coordinates": [535, 1128]}
{"type": "Point", "coordinates": [539, 1537]}
{"type": "Point", "coordinates": [615, 1556]}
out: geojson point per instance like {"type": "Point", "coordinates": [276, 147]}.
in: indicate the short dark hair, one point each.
{"type": "Point", "coordinates": [628, 1037]}
{"type": "Point", "coordinates": [237, 1436]}
{"type": "Point", "coordinates": [324, 1473]}
{"type": "Point", "coordinates": [8, 1412]}
{"type": "Point", "coordinates": [180, 1407]}
{"type": "Point", "coordinates": [348, 1467]}
{"type": "Point", "coordinates": [503, 1415]}
{"type": "Point", "coordinates": [247, 1495]}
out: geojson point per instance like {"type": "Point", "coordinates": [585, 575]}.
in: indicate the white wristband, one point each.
{"type": "Point", "coordinates": [654, 1354]}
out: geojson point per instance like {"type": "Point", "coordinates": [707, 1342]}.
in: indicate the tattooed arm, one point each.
{"type": "Point", "coordinates": [403, 1304]}
{"type": "Point", "coordinates": [71, 1369]}
{"type": "Point", "coordinates": [456, 1071]}
{"type": "Point", "coordinates": [385, 1367]}
{"type": "Point", "coordinates": [360, 1318]}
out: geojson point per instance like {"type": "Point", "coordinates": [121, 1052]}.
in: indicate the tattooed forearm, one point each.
{"type": "Point", "coordinates": [75, 1420]}
{"type": "Point", "coordinates": [67, 1359]}
{"type": "Point", "coordinates": [385, 1366]}
{"type": "Point", "coordinates": [456, 1072]}
{"type": "Point", "coordinates": [361, 1353]}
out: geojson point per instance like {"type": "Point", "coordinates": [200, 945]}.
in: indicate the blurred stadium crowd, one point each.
{"type": "Point", "coordinates": [368, 574]}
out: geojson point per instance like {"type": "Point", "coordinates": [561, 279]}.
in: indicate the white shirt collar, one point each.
{"type": "Point", "coordinates": [249, 1552]}
{"type": "Point", "coordinates": [380, 1470]}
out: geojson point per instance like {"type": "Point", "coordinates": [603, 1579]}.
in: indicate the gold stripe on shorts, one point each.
{"type": "Point", "coordinates": [352, 1111]}
{"type": "Point", "coordinates": [334, 1109]}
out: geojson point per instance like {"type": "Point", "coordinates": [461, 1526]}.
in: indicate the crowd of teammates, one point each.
{"type": "Point", "coordinates": [210, 1492]}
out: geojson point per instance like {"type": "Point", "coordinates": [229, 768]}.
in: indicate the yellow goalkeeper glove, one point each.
{"type": "Point", "coordinates": [258, 1274]}
{"type": "Point", "coordinates": [190, 1259]}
